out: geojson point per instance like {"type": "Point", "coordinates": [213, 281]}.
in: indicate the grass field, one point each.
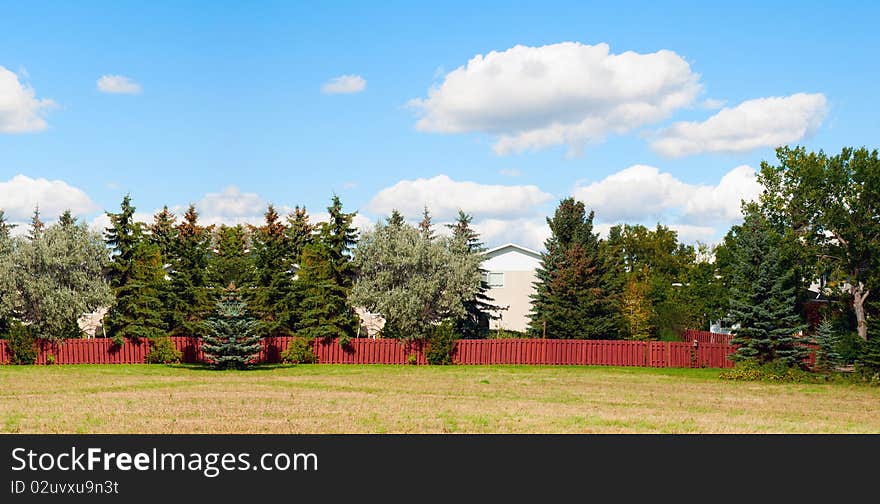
{"type": "Point", "coordinates": [409, 399]}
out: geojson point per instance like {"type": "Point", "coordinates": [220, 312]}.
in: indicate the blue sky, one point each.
{"type": "Point", "coordinates": [230, 96]}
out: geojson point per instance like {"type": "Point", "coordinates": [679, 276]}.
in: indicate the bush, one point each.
{"type": "Point", "coordinates": [163, 351]}
{"type": "Point", "coordinates": [506, 333]}
{"type": "Point", "coordinates": [50, 359]}
{"type": "Point", "coordinates": [21, 344]}
{"type": "Point", "coordinates": [777, 372]}
{"type": "Point", "coordinates": [412, 359]}
{"type": "Point", "coordinates": [868, 363]}
{"type": "Point", "coordinates": [299, 351]}
{"type": "Point", "coordinates": [441, 344]}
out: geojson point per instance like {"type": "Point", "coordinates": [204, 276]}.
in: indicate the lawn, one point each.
{"type": "Point", "coordinates": [410, 399]}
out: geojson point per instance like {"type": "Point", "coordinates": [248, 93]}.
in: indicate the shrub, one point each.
{"type": "Point", "coordinates": [21, 344]}
{"type": "Point", "coordinates": [412, 359]}
{"type": "Point", "coordinates": [868, 363]}
{"type": "Point", "coordinates": [506, 333]}
{"type": "Point", "coordinates": [299, 351]}
{"type": "Point", "coordinates": [777, 371]}
{"type": "Point", "coordinates": [50, 358]}
{"type": "Point", "coordinates": [441, 344]}
{"type": "Point", "coordinates": [163, 351]}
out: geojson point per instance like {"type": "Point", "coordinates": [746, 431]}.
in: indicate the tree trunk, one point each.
{"type": "Point", "coordinates": [859, 294]}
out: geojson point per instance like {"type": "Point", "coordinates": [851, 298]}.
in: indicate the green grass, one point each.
{"type": "Point", "coordinates": [409, 399]}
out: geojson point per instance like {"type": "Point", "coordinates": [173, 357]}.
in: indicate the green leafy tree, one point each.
{"type": "Point", "coordinates": [57, 276]}
{"type": "Point", "coordinates": [571, 300]}
{"type": "Point", "coordinates": [231, 340]}
{"type": "Point", "coordinates": [412, 282]}
{"type": "Point", "coordinates": [763, 301]}
{"type": "Point", "coordinates": [636, 309]}
{"type": "Point", "coordinates": [827, 207]}
{"type": "Point", "coordinates": [7, 282]}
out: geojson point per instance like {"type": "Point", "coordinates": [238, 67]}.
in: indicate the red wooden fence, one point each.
{"type": "Point", "coordinates": [387, 351]}
{"type": "Point", "coordinates": [706, 337]}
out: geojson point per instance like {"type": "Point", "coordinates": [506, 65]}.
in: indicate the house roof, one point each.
{"type": "Point", "coordinates": [511, 246]}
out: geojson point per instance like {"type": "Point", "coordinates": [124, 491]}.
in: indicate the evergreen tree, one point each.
{"type": "Point", "coordinates": [763, 296]}
{"type": "Point", "coordinates": [299, 232]}
{"type": "Point", "coordinates": [274, 275]}
{"type": "Point", "coordinates": [189, 299]}
{"type": "Point", "coordinates": [67, 219]}
{"type": "Point", "coordinates": [7, 281]}
{"type": "Point", "coordinates": [37, 225]}
{"type": "Point", "coordinates": [339, 236]}
{"type": "Point", "coordinates": [827, 340]}
{"type": "Point", "coordinates": [425, 225]}
{"type": "Point", "coordinates": [135, 276]}
{"type": "Point", "coordinates": [232, 340]}
{"type": "Point", "coordinates": [230, 260]}
{"type": "Point", "coordinates": [163, 232]}
{"type": "Point", "coordinates": [395, 219]}
{"type": "Point", "coordinates": [466, 241]}
{"type": "Point", "coordinates": [322, 311]}
{"type": "Point", "coordinates": [570, 298]}
{"type": "Point", "coordinates": [5, 227]}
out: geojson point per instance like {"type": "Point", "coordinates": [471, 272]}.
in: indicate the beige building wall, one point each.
{"type": "Point", "coordinates": [515, 295]}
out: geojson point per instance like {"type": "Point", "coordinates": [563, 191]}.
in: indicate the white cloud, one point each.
{"type": "Point", "coordinates": [529, 232]}
{"type": "Point", "coordinates": [344, 84]}
{"type": "Point", "coordinates": [118, 84]}
{"type": "Point", "coordinates": [231, 206]}
{"type": "Point", "coordinates": [712, 104]}
{"type": "Point", "coordinates": [20, 194]}
{"type": "Point", "coordinates": [510, 172]}
{"type": "Point", "coordinates": [643, 194]}
{"type": "Point", "coordinates": [567, 93]}
{"type": "Point", "coordinates": [763, 122]}
{"type": "Point", "coordinates": [444, 197]}
{"type": "Point", "coordinates": [20, 110]}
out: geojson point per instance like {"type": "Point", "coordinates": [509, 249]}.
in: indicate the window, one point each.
{"type": "Point", "coordinates": [494, 279]}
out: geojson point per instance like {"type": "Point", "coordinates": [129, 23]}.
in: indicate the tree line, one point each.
{"type": "Point", "coordinates": [815, 221]}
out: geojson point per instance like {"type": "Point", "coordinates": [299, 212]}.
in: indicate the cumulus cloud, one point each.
{"type": "Point", "coordinates": [344, 84]}
{"type": "Point", "coordinates": [763, 122]}
{"type": "Point", "coordinates": [529, 232]}
{"type": "Point", "coordinates": [118, 84]}
{"type": "Point", "coordinates": [444, 197]}
{"type": "Point", "coordinates": [20, 194]}
{"type": "Point", "coordinates": [20, 110]}
{"type": "Point", "coordinates": [644, 194]}
{"type": "Point", "coordinates": [567, 93]}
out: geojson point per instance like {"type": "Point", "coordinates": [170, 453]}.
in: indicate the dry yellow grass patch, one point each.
{"type": "Point", "coordinates": [408, 399]}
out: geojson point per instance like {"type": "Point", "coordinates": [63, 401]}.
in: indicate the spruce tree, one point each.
{"type": "Point", "coordinates": [763, 297]}
{"type": "Point", "coordinates": [299, 232]}
{"type": "Point", "coordinates": [466, 241]}
{"type": "Point", "coordinates": [232, 340]}
{"type": "Point", "coordinates": [338, 236]}
{"type": "Point", "coordinates": [395, 219]}
{"type": "Point", "coordinates": [37, 225]}
{"type": "Point", "coordinates": [189, 298]}
{"type": "Point", "coordinates": [5, 227]}
{"type": "Point", "coordinates": [274, 275]}
{"type": "Point", "coordinates": [827, 340]}
{"type": "Point", "coordinates": [230, 260]}
{"type": "Point", "coordinates": [163, 232]}
{"type": "Point", "coordinates": [136, 278]}
{"type": "Point", "coordinates": [322, 310]}
{"type": "Point", "coordinates": [571, 301]}
{"type": "Point", "coordinates": [425, 225]}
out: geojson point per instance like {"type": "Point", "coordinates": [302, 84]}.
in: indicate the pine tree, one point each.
{"type": "Point", "coordinates": [189, 298]}
{"type": "Point", "coordinates": [570, 301]}
{"type": "Point", "coordinates": [5, 227]}
{"type": "Point", "coordinates": [67, 219]}
{"type": "Point", "coordinates": [322, 311]}
{"type": "Point", "coordinates": [274, 275]}
{"type": "Point", "coordinates": [395, 219]}
{"type": "Point", "coordinates": [37, 225]}
{"type": "Point", "coordinates": [425, 225]}
{"type": "Point", "coordinates": [338, 236]}
{"type": "Point", "coordinates": [232, 340]}
{"type": "Point", "coordinates": [827, 340]}
{"type": "Point", "coordinates": [466, 241]}
{"type": "Point", "coordinates": [135, 276]}
{"type": "Point", "coordinates": [299, 232]}
{"type": "Point", "coordinates": [230, 260]}
{"type": "Point", "coordinates": [163, 232]}
{"type": "Point", "coordinates": [763, 297]}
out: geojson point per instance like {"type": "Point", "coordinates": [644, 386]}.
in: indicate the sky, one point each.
{"type": "Point", "coordinates": [647, 111]}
